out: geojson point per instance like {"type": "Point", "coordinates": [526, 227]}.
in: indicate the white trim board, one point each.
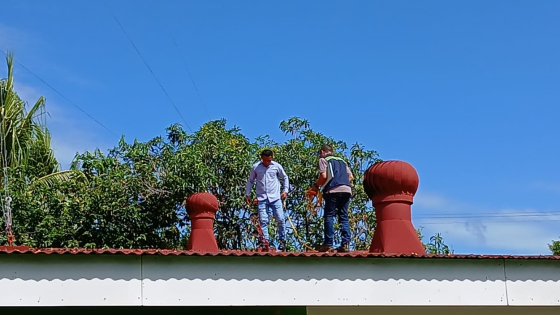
{"type": "Point", "coordinates": [103, 280]}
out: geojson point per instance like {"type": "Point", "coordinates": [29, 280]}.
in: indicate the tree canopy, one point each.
{"type": "Point", "coordinates": [132, 195]}
{"type": "Point", "coordinates": [554, 247]}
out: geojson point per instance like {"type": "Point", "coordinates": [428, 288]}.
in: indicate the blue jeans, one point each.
{"type": "Point", "coordinates": [336, 203]}
{"type": "Point", "coordinates": [266, 209]}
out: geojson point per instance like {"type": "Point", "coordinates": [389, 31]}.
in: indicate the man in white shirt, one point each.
{"type": "Point", "coordinates": [266, 173]}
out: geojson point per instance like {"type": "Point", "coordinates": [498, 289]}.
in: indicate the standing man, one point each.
{"type": "Point", "coordinates": [266, 173]}
{"type": "Point", "coordinates": [335, 180]}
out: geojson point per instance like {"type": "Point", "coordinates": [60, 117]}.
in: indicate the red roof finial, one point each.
{"type": "Point", "coordinates": [391, 186]}
{"type": "Point", "coordinates": [201, 208]}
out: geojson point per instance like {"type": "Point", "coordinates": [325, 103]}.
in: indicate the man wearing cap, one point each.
{"type": "Point", "coordinates": [266, 173]}
{"type": "Point", "coordinates": [335, 180]}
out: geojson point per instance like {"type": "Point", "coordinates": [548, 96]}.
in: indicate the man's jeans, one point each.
{"type": "Point", "coordinates": [336, 203]}
{"type": "Point", "coordinates": [266, 209]}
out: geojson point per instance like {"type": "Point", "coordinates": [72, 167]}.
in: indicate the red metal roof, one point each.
{"type": "Point", "coordinates": [237, 253]}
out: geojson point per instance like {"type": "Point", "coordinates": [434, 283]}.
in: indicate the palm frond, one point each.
{"type": "Point", "coordinates": [25, 137]}
{"type": "Point", "coordinates": [62, 176]}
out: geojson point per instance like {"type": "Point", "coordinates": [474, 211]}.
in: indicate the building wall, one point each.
{"type": "Point", "coordinates": [321, 281]}
{"type": "Point", "coordinates": [128, 280]}
{"type": "Point", "coordinates": [70, 280]}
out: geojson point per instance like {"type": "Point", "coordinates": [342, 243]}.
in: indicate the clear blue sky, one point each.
{"type": "Point", "coordinates": [466, 91]}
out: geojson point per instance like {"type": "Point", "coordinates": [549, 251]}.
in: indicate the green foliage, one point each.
{"type": "Point", "coordinates": [25, 139]}
{"type": "Point", "coordinates": [29, 168]}
{"type": "Point", "coordinates": [555, 247]}
{"type": "Point", "coordinates": [436, 245]}
{"type": "Point", "coordinates": [133, 196]}
{"type": "Point", "coordinates": [46, 217]}
{"type": "Point", "coordinates": [299, 159]}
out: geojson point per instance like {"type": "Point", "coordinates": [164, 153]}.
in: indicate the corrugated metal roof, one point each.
{"type": "Point", "coordinates": [237, 253]}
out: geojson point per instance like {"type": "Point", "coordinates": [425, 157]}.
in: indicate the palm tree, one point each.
{"type": "Point", "coordinates": [25, 140]}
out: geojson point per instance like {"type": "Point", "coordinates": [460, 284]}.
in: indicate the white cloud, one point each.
{"type": "Point", "coordinates": [547, 186]}
{"type": "Point", "coordinates": [26, 93]}
{"type": "Point", "coordinates": [480, 229]}
{"type": "Point", "coordinates": [12, 38]}
{"type": "Point", "coordinates": [496, 237]}
{"type": "Point", "coordinates": [427, 201]}
{"type": "Point", "coordinates": [71, 135]}
{"type": "Point", "coordinates": [23, 44]}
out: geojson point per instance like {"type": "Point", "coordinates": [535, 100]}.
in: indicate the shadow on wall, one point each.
{"type": "Point", "coordinates": [146, 310]}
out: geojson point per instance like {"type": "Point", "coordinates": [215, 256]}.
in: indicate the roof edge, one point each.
{"type": "Point", "coordinates": [241, 253]}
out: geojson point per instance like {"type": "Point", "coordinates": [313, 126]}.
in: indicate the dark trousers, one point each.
{"type": "Point", "coordinates": [336, 203]}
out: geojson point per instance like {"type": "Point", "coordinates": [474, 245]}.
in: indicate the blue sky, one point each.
{"type": "Point", "coordinates": [466, 91]}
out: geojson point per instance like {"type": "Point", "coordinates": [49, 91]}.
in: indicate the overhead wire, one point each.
{"type": "Point", "coordinates": [148, 66]}
{"type": "Point", "coordinates": [64, 97]}
{"type": "Point", "coordinates": [182, 56]}
{"type": "Point", "coordinates": [492, 217]}
{"type": "Point", "coordinates": [494, 221]}
{"type": "Point", "coordinates": [486, 214]}
{"type": "Point", "coordinates": [488, 217]}
{"type": "Point", "coordinates": [190, 76]}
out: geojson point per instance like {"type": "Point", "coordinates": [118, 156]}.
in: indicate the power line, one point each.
{"type": "Point", "coordinates": [542, 217]}
{"type": "Point", "coordinates": [190, 76]}
{"type": "Point", "coordinates": [494, 221]}
{"type": "Point", "coordinates": [64, 97]}
{"type": "Point", "coordinates": [181, 55]}
{"type": "Point", "coordinates": [484, 216]}
{"type": "Point", "coordinates": [148, 66]}
{"type": "Point", "coordinates": [487, 213]}
{"type": "Point", "coordinates": [529, 216]}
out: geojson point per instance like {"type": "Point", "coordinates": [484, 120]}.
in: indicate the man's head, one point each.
{"type": "Point", "coordinates": [325, 149]}
{"type": "Point", "coordinates": [266, 157]}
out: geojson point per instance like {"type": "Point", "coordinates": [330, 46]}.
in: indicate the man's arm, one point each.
{"type": "Point", "coordinates": [284, 176]}
{"type": "Point", "coordinates": [249, 185]}
{"type": "Point", "coordinates": [322, 179]}
{"type": "Point", "coordinates": [323, 165]}
{"type": "Point", "coordinates": [286, 182]}
{"type": "Point", "coordinates": [350, 175]}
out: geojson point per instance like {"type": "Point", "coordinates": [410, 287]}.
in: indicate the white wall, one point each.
{"type": "Point", "coordinates": [70, 280]}
{"type": "Point", "coordinates": [533, 282]}
{"type": "Point", "coordinates": [198, 281]}
{"type": "Point", "coordinates": [321, 281]}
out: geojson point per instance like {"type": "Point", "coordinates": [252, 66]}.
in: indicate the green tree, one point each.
{"type": "Point", "coordinates": [26, 156]}
{"type": "Point", "coordinates": [436, 244]}
{"type": "Point", "coordinates": [25, 140]}
{"type": "Point", "coordinates": [555, 247]}
{"type": "Point", "coordinates": [217, 160]}
{"type": "Point", "coordinates": [299, 158]}
{"type": "Point", "coordinates": [133, 195]}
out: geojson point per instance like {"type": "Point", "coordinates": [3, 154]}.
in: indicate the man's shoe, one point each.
{"type": "Point", "coordinates": [344, 248]}
{"type": "Point", "coordinates": [326, 249]}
